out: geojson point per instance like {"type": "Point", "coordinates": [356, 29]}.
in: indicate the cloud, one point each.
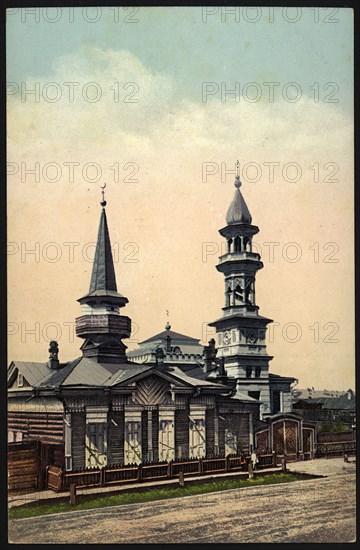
{"type": "Point", "coordinates": [148, 112]}
{"type": "Point", "coordinates": [172, 210]}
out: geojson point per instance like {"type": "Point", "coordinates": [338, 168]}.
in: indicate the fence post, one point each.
{"type": "Point", "coordinates": [274, 459]}
{"type": "Point", "coordinates": [47, 476]}
{"type": "Point", "coordinates": [283, 464]}
{"type": "Point", "coordinates": [227, 464]}
{"type": "Point", "coordinates": [72, 488]}
{"type": "Point", "coordinates": [102, 477]}
{"type": "Point", "coordinates": [181, 479]}
{"type": "Point", "coordinates": [139, 472]}
{"type": "Point", "coordinates": [250, 470]}
{"type": "Point", "coordinates": [201, 466]}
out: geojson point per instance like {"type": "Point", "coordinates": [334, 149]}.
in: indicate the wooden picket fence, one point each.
{"type": "Point", "coordinates": [115, 474]}
{"type": "Point", "coordinates": [335, 448]}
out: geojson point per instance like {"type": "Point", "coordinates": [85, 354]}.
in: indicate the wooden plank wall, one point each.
{"type": "Point", "coordinates": [47, 426]}
{"type": "Point", "coordinates": [78, 425]}
{"type": "Point", "coordinates": [181, 433]}
{"type": "Point", "coordinates": [210, 432]}
{"type": "Point", "coordinates": [116, 437]}
{"type": "Point", "coordinates": [155, 434]}
{"type": "Point", "coordinates": [144, 435]}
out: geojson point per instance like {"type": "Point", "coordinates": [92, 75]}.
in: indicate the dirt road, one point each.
{"type": "Point", "coordinates": [319, 510]}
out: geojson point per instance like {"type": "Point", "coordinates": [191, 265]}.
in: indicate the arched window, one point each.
{"type": "Point", "coordinates": [228, 296]}
{"type": "Point", "coordinates": [237, 244]}
{"type": "Point", "coordinates": [229, 243]}
{"type": "Point", "coordinates": [238, 295]}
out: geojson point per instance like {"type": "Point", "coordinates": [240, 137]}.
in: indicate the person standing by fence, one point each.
{"type": "Point", "coordinates": [254, 459]}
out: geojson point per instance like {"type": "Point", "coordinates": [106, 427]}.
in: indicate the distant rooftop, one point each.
{"type": "Point", "coordinates": [173, 335]}
{"type": "Point", "coordinates": [312, 393]}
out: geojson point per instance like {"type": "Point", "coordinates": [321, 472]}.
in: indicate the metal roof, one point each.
{"type": "Point", "coordinates": [238, 211]}
{"type": "Point", "coordinates": [173, 335]}
{"type": "Point", "coordinates": [103, 280]}
{"type": "Point", "coordinates": [131, 370]}
{"type": "Point", "coordinates": [103, 273]}
{"type": "Point", "coordinates": [32, 372]}
{"type": "Point", "coordinates": [86, 372]}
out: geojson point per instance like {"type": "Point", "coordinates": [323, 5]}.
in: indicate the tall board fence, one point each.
{"type": "Point", "coordinates": [23, 466]}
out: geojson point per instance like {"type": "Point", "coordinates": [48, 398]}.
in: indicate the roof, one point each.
{"type": "Point", "coordinates": [238, 211]}
{"type": "Point", "coordinates": [339, 403]}
{"type": "Point", "coordinates": [277, 377]}
{"type": "Point", "coordinates": [103, 280]}
{"type": "Point", "coordinates": [103, 273]}
{"type": "Point", "coordinates": [331, 403]}
{"type": "Point", "coordinates": [79, 372]}
{"type": "Point", "coordinates": [85, 372]}
{"type": "Point", "coordinates": [173, 335]}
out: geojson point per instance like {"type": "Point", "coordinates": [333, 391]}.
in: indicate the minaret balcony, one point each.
{"type": "Point", "coordinates": [239, 256]}
{"type": "Point", "coordinates": [119, 325]}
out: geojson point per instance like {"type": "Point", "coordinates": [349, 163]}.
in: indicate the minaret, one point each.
{"type": "Point", "coordinates": [100, 324]}
{"type": "Point", "coordinates": [241, 330]}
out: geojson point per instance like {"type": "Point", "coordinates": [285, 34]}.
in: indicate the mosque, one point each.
{"type": "Point", "coordinates": [169, 398]}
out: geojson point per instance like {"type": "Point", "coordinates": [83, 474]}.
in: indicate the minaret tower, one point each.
{"type": "Point", "coordinates": [100, 324]}
{"type": "Point", "coordinates": [241, 330]}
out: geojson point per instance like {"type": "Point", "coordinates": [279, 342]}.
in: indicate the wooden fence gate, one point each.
{"type": "Point", "coordinates": [288, 436]}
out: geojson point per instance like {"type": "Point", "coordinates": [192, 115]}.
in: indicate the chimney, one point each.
{"type": "Point", "coordinates": [159, 356]}
{"type": "Point", "coordinates": [209, 355]}
{"type": "Point", "coordinates": [53, 362]}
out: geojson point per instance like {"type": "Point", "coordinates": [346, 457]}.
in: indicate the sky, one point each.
{"type": "Point", "coordinates": [159, 103]}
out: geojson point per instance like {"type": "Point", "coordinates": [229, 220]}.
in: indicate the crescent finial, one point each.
{"type": "Point", "coordinates": [103, 202]}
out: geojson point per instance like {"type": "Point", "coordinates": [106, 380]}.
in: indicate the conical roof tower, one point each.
{"type": "Point", "coordinates": [101, 325]}
{"type": "Point", "coordinates": [241, 330]}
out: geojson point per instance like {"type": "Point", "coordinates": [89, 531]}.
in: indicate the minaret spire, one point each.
{"type": "Point", "coordinates": [100, 323]}
{"type": "Point", "coordinates": [238, 211]}
{"type": "Point", "coordinates": [103, 272]}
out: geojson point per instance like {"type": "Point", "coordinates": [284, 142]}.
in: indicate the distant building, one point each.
{"type": "Point", "coordinates": [311, 393]}
{"type": "Point", "coordinates": [176, 348]}
{"type": "Point", "coordinates": [327, 409]}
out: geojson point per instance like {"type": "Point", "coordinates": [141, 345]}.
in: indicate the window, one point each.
{"type": "Point", "coordinates": [166, 440]}
{"type": "Point", "coordinates": [133, 436]}
{"type": "Point", "coordinates": [96, 444]}
{"type": "Point", "coordinates": [248, 372]}
{"type": "Point", "coordinates": [20, 380]}
{"type": "Point", "coordinates": [257, 372]}
{"type": "Point", "coordinates": [275, 402]}
{"type": "Point", "coordinates": [197, 438]}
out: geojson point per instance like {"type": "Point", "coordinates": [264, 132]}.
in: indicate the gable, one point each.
{"type": "Point", "coordinates": [152, 390]}
{"type": "Point", "coordinates": [16, 379]}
